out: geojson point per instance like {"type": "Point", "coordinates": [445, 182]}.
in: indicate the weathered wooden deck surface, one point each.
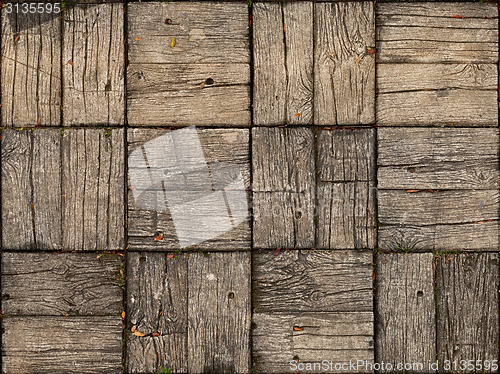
{"type": "Point", "coordinates": [366, 140]}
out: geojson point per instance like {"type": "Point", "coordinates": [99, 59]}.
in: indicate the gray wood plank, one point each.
{"type": "Point", "coordinates": [188, 94]}
{"type": "Point", "coordinates": [31, 193]}
{"type": "Point", "coordinates": [440, 107]}
{"type": "Point", "coordinates": [312, 281]}
{"type": "Point", "coordinates": [445, 158]}
{"type": "Point", "coordinates": [344, 71]}
{"type": "Point", "coordinates": [219, 313]}
{"type": "Point", "coordinates": [347, 217]}
{"type": "Point", "coordinates": [157, 303]}
{"type": "Point", "coordinates": [405, 309]}
{"type": "Point", "coordinates": [205, 32]}
{"type": "Point", "coordinates": [151, 201]}
{"type": "Point", "coordinates": [441, 220]}
{"type": "Point", "coordinates": [412, 77]}
{"type": "Point", "coordinates": [93, 65]}
{"type": "Point", "coordinates": [31, 69]}
{"type": "Point", "coordinates": [281, 340]}
{"type": "Point", "coordinates": [283, 63]}
{"type": "Point", "coordinates": [480, 236]}
{"type": "Point", "coordinates": [62, 344]}
{"type": "Point", "coordinates": [467, 308]}
{"type": "Point", "coordinates": [437, 32]}
{"type": "Point", "coordinates": [93, 189]}
{"type": "Point", "coordinates": [283, 159]}
{"type": "Point", "coordinates": [346, 155]}
{"type": "Point", "coordinates": [60, 284]}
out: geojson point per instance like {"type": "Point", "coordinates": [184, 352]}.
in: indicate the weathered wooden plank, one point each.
{"type": "Point", "coordinates": [281, 340]}
{"type": "Point", "coordinates": [481, 236]}
{"type": "Point", "coordinates": [93, 189]}
{"type": "Point", "coordinates": [405, 309]}
{"type": "Point", "coordinates": [283, 63]}
{"type": "Point", "coordinates": [62, 344]}
{"type": "Point", "coordinates": [283, 220]}
{"type": "Point", "coordinates": [347, 217]}
{"type": "Point", "coordinates": [283, 159]}
{"type": "Point", "coordinates": [60, 284]}
{"type": "Point", "coordinates": [214, 165]}
{"type": "Point", "coordinates": [344, 71]}
{"type": "Point", "coordinates": [346, 155]}
{"type": "Point", "coordinates": [93, 65]}
{"type": "Point", "coordinates": [467, 308]}
{"type": "Point", "coordinates": [31, 69]}
{"type": "Point", "coordinates": [445, 158]}
{"type": "Point", "coordinates": [411, 77]}
{"type": "Point", "coordinates": [157, 287]}
{"type": "Point", "coordinates": [188, 94]}
{"type": "Point", "coordinates": [439, 107]}
{"type": "Point", "coordinates": [312, 281]}
{"type": "Point", "coordinates": [437, 32]}
{"type": "Point", "coordinates": [205, 32]}
{"type": "Point", "coordinates": [445, 220]}
{"type": "Point", "coordinates": [219, 313]}
{"type": "Point", "coordinates": [31, 189]}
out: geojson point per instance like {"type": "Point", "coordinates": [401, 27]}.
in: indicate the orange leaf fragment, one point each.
{"type": "Point", "coordinates": [457, 16]}
{"type": "Point", "coordinates": [16, 38]}
{"type": "Point", "coordinates": [413, 190]}
{"type": "Point", "coordinates": [123, 315]}
{"type": "Point", "coordinates": [137, 39]}
{"type": "Point", "coordinates": [171, 256]}
{"type": "Point", "coordinates": [134, 328]}
{"type": "Point", "coordinates": [277, 251]}
{"type": "Point", "coordinates": [71, 63]}
{"type": "Point", "coordinates": [297, 328]}
{"type": "Point", "coordinates": [371, 51]}
{"type": "Point", "coordinates": [159, 237]}
{"type": "Point", "coordinates": [138, 333]}
{"type": "Point", "coordinates": [155, 334]}
{"type": "Point", "coordinates": [298, 114]}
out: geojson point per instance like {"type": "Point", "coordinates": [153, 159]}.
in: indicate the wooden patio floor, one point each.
{"type": "Point", "coordinates": [362, 145]}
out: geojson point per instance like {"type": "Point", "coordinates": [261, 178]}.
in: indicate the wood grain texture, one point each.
{"type": "Point", "coordinates": [405, 309]}
{"type": "Point", "coordinates": [31, 189]}
{"type": "Point", "coordinates": [347, 215]}
{"type": "Point", "coordinates": [219, 313]}
{"type": "Point", "coordinates": [283, 63]}
{"type": "Point", "coordinates": [83, 344]}
{"type": "Point", "coordinates": [429, 33]}
{"type": "Point", "coordinates": [205, 32]}
{"type": "Point", "coordinates": [179, 94]}
{"type": "Point", "coordinates": [31, 69]}
{"type": "Point", "coordinates": [312, 281]}
{"type": "Point", "coordinates": [151, 213]}
{"type": "Point", "coordinates": [93, 65]}
{"type": "Point", "coordinates": [60, 284]}
{"type": "Point", "coordinates": [346, 155]}
{"type": "Point", "coordinates": [418, 158]}
{"type": "Point", "coordinates": [467, 307]}
{"type": "Point", "coordinates": [157, 303]}
{"type": "Point", "coordinates": [344, 71]}
{"type": "Point", "coordinates": [93, 189]}
{"type": "Point", "coordinates": [279, 339]}
{"type": "Point", "coordinates": [444, 220]}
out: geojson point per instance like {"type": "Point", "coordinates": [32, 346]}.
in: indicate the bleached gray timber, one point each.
{"type": "Point", "coordinates": [219, 146]}
{"type": "Point", "coordinates": [435, 32]}
{"type": "Point", "coordinates": [438, 158]}
{"type": "Point", "coordinates": [60, 284]}
{"type": "Point", "coordinates": [93, 65]}
{"type": "Point", "coordinates": [312, 281]}
{"type": "Point", "coordinates": [467, 307]}
{"type": "Point", "coordinates": [93, 183]}
{"type": "Point", "coordinates": [344, 70]}
{"type": "Point", "coordinates": [30, 74]}
{"type": "Point", "coordinates": [283, 338]}
{"type": "Point", "coordinates": [346, 190]}
{"type": "Point", "coordinates": [283, 63]}
{"type": "Point", "coordinates": [46, 345]}
{"type": "Point", "coordinates": [283, 187]}
{"type": "Point", "coordinates": [157, 303]}
{"type": "Point", "coordinates": [204, 79]}
{"type": "Point", "coordinates": [199, 304]}
{"type": "Point", "coordinates": [439, 220]}
{"type": "Point", "coordinates": [63, 191]}
{"type": "Point", "coordinates": [405, 309]}
{"type": "Point", "coordinates": [31, 189]}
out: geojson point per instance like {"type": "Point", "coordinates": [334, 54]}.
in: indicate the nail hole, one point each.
{"type": "Point", "coordinates": [420, 293]}
{"type": "Point", "coordinates": [209, 81]}
{"type": "Point", "coordinates": [168, 21]}
{"type": "Point", "coordinates": [296, 358]}
{"type": "Point", "coordinates": [298, 214]}
{"type": "Point", "coordinates": [231, 295]}
{"type": "Point", "coordinates": [411, 169]}
{"type": "Point", "coordinates": [5, 296]}
{"type": "Point", "coordinates": [142, 259]}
